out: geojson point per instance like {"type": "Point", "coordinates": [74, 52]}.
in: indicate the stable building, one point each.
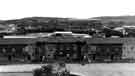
{"type": "Point", "coordinates": [15, 47]}
{"type": "Point", "coordinates": [62, 48]}
{"type": "Point", "coordinates": [111, 48]}
{"type": "Point", "coordinates": [68, 48]}
{"type": "Point", "coordinates": [43, 49]}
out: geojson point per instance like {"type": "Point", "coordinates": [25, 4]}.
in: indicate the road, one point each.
{"type": "Point", "coordinates": [99, 69]}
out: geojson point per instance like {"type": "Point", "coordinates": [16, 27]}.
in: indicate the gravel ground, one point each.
{"type": "Point", "coordinates": [15, 74]}
{"type": "Point", "coordinates": [102, 69]}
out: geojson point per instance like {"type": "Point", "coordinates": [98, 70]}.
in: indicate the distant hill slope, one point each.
{"type": "Point", "coordinates": [47, 23]}
{"type": "Point", "coordinates": [36, 22]}
{"type": "Point", "coordinates": [116, 21]}
{"type": "Point", "coordinates": [117, 18]}
{"type": "Point", "coordinates": [51, 22]}
{"type": "Point", "coordinates": [126, 19]}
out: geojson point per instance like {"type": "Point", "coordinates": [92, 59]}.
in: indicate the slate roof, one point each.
{"type": "Point", "coordinates": [111, 41]}
{"type": "Point", "coordinates": [68, 40]}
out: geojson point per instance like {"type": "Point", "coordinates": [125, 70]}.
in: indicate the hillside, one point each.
{"type": "Point", "coordinates": [49, 24]}
{"type": "Point", "coordinates": [53, 23]}
{"type": "Point", "coordinates": [104, 19]}
{"type": "Point", "coordinates": [115, 21]}
{"type": "Point", "coordinates": [129, 20]}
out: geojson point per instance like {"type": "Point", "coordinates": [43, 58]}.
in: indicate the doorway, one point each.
{"type": "Point", "coordinates": [106, 52]}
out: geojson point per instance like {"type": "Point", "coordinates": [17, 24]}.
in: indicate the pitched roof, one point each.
{"type": "Point", "coordinates": [110, 40]}
{"type": "Point", "coordinates": [17, 41]}
{"type": "Point", "coordinates": [61, 39]}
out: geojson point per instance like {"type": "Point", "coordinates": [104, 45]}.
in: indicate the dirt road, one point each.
{"type": "Point", "coordinates": [102, 69]}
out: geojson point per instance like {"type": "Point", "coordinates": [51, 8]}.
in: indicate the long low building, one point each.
{"type": "Point", "coordinates": [38, 48]}
{"type": "Point", "coordinates": [114, 47]}
{"type": "Point", "coordinates": [63, 48]}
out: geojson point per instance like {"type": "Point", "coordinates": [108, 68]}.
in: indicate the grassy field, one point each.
{"type": "Point", "coordinates": [99, 69]}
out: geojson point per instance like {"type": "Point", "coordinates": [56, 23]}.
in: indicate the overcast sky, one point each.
{"type": "Point", "coordinates": [11, 9]}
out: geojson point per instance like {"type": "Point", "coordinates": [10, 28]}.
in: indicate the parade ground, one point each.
{"type": "Point", "coordinates": [98, 69]}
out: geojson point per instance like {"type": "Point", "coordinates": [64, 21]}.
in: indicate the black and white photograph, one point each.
{"type": "Point", "coordinates": [67, 38]}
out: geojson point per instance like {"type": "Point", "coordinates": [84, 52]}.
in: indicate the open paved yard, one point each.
{"type": "Point", "coordinates": [102, 69]}
{"type": "Point", "coordinates": [15, 74]}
